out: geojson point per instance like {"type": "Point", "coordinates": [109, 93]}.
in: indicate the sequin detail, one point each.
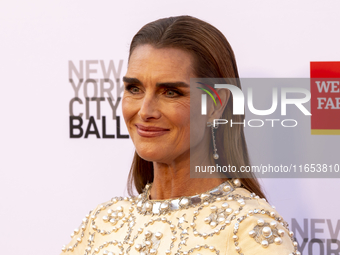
{"type": "Point", "coordinates": [189, 225]}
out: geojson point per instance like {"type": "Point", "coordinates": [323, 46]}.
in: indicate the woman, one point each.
{"type": "Point", "coordinates": [173, 213]}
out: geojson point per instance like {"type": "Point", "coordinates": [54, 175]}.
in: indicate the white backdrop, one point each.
{"type": "Point", "coordinates": [49, 181]}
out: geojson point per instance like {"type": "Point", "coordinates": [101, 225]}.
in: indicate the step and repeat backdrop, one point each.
{"type": "Point", "coordinates": [64, 144]}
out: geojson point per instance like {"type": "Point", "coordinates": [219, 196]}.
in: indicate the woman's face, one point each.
{"type": "Point", "coordinates": [156, 102]}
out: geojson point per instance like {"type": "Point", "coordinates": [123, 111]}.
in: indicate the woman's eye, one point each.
{"type": "Point", "coordinates": [172, 93]}
{"type": "Point", "coordinates": [132, 89]}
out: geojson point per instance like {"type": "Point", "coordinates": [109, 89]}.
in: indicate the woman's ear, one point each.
{"type": "Point", "coordinates": [222, 96]}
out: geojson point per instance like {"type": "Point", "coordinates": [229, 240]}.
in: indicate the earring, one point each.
{"type": "Point", "coordinates": [209, 124]}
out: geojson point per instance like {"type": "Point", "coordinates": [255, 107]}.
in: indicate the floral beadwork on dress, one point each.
{"type": "Point", "coordinates": [207, 223]}
{"type": "Point", "coordinates": [265, 233]}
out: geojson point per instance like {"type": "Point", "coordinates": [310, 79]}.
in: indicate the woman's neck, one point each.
{"type": "Point", "coordinates": [173, 180]}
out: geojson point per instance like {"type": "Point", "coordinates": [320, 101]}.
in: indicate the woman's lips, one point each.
{"type": "Point", "coordinates": [150, 131]}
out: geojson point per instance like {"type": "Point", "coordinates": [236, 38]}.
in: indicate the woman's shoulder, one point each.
{"type": "Point", "coordinates": [110, 211]}
{"type": "Point", "coordinates": [257, 227]}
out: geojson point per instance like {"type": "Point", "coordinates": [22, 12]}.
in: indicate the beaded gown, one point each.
{"type": "Point", "coordinates": [226, 220]}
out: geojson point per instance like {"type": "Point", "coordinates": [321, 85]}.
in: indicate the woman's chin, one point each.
{"type": "Point", "coordinates": [153, 156]}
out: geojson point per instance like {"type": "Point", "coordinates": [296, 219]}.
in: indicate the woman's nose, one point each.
{"type": "Point", "coordinates": [149, 108]}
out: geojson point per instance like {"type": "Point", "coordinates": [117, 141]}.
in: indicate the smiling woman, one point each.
{"type": "Point", "coordinates": [156, 104]}
{"type": "Point", "coordinates": [174, 214]}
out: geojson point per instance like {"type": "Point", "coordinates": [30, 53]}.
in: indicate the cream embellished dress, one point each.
{"type": "Point", "coordinates": [226, 220]}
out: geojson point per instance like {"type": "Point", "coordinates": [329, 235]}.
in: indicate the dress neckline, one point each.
{"type": "Point", "coordinates": [147, 206]}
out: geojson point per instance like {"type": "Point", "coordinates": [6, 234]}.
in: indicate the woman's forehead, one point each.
{"type": "Point", "coordinates": [149, 61]}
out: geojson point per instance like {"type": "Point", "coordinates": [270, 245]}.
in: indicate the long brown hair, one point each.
{"type": "Point", "coordinates": [213, 57]}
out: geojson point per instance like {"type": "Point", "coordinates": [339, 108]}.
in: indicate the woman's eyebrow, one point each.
{"type": "Point", "coordinates": [131, 80]}
{"type": "Point", "coordinates": [172, 84]}
{"type": "Point", "coordinates": [160, 84]}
